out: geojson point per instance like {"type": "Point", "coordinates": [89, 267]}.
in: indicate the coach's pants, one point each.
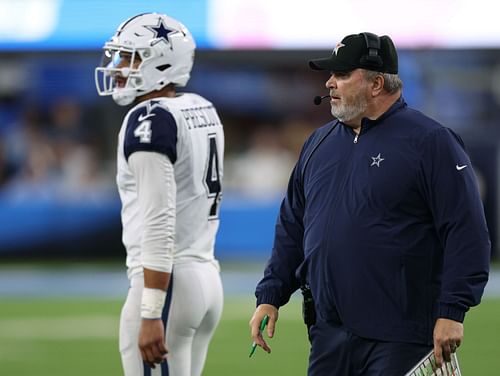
{"type": "Point", "coordinates": [191, 314]}
{"type": "Point", "coordinates": [337, 352]}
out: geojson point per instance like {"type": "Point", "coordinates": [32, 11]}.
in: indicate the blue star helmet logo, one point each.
{"type": "Point", "coordinates": [161, 32]}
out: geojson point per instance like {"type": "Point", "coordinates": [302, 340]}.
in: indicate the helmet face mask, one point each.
{"type": "Point", "coordinates": [119, 75]}
{"type": "Point", "coordinates": [146, 53]}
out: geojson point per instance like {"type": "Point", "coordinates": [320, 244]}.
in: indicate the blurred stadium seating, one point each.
{"type": "Point", "coordinates": [58, 138]}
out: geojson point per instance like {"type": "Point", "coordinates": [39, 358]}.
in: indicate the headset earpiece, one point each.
{"type": "Point", "coordinates": [373, 45]}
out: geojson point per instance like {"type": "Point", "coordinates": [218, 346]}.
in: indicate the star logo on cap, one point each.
{"type": "Point", "coordinates": [336, 49]}
{"type": "Point", "coordinates": [161, 32]}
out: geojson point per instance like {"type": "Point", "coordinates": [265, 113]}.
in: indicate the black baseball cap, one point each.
{"type": "Point", "coordinates": [364, 50]}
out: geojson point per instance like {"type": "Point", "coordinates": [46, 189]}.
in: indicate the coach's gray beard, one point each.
{"type": "Point", "coordinates": [346, 112]}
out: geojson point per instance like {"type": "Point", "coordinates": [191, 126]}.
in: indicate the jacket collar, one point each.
{"type": "Point", "coordinates": [400, 103]}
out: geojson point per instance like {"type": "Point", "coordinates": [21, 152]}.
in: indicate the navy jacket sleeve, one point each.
{"type": "Point", "coordinates": [451, 190]}
{"type": "Point", "coordinates": [280, 280]}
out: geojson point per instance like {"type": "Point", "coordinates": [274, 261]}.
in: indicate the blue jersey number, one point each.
{"type": "Point", "coordinates": [212, 176]}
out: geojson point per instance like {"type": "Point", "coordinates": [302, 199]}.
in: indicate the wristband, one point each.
{"type": "Point", "coordinates": [152, 303]}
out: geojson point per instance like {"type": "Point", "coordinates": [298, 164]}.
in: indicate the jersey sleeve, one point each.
{"type": "Point", "coordinates": [154, 130]}
{"type": "Point", "coordinates": [156, 193]}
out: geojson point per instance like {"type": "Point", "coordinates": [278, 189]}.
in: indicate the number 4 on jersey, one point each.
{"type": "Point", "coordinates": [212, 176]}
{"type": "Point", "coordinates": [143, 131]}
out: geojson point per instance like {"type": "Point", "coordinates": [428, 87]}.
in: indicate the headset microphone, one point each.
{"type": "Point", "coordinates": [318, 99]}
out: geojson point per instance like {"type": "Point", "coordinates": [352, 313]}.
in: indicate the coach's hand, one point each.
{"type": "Point", "coordinates": [152, 342]}
{"type": "Point", "coordinates": [448, 335]}
{"type": "Point", "coordinates": [258, 316]}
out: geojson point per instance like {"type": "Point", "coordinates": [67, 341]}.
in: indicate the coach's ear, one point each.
{"type": "Point", "coordinates": [377, 85]}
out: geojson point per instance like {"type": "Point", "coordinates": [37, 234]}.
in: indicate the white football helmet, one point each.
{"type": "Point", "coordinates": [147, 52]}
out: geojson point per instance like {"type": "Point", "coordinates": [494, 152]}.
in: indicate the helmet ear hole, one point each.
{"type": "Point", "coordinates": [161, 68]}
{"type": "Point", "coordinates": [136, 81]}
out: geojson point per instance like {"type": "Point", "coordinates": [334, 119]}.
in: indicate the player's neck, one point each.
{"type": "Point", "coordinates": [167, 91]}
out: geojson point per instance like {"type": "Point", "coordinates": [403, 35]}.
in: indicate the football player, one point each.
{"type": "Point", "coordinates": [169, 172]}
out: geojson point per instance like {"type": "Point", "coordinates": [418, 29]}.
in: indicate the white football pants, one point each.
{"type": "Point", "coordinates": [193, 309]}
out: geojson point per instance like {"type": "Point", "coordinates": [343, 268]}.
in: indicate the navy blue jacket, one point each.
{"type": "Point", "coordinates": [387, 228]}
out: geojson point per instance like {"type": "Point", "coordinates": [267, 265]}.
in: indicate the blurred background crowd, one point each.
{"type": "Point", "coordinates": [58, 138]}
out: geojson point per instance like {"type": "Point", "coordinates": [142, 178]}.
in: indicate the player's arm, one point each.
{"type": "Point", "coordinates": [151, 337]}
{"type": "Point", "coordinates": [156, 194]}
{"type": "Point", "coordinates": [150, 148]}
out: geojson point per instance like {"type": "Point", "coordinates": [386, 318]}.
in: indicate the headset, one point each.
{"type": "Point", "coordinates": [373, 45]}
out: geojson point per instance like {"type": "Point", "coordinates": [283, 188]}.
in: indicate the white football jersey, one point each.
{"type": "Point", "coordinates": [187, 130]}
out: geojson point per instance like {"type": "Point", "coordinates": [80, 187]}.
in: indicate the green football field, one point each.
{"type": "Point", "coordinates": [56, 337]}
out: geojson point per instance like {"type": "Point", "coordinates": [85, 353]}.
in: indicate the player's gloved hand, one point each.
{"type": "Point", "coordinates": [152, 341]}
{"type": "Point", "coordinates": [258, 316]}
{"type": "Point", "coordinates": [448, 336]}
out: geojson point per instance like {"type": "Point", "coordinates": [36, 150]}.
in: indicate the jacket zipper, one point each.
{"type": "Point", "coordinates": [358, 134]}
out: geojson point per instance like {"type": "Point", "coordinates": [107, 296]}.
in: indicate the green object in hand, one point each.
{"type": "Point", "coordinates": [263, 324]}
